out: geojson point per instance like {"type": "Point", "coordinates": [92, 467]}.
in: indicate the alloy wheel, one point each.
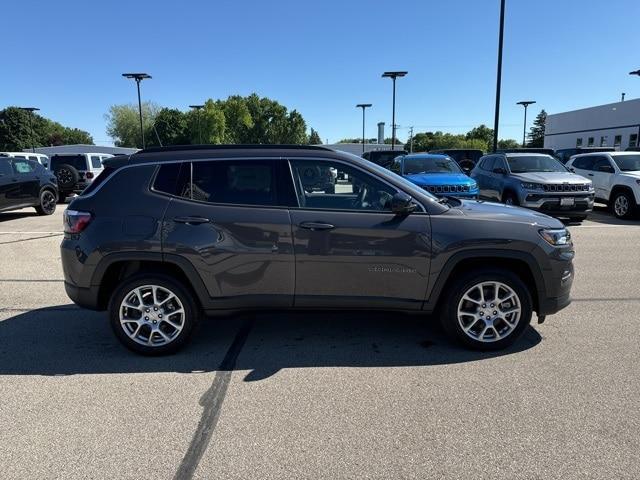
{"type": "Point", "coordinates": [48, 202]}
{"type": "Point", "coordinates": [621, 205]}
{"type": "Point", "coordinates": [489, 311]}
{"type": "Point", "coordinates": [151, 315]}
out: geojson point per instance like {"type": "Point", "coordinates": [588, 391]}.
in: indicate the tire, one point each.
{"type": "Point", "coordinates": [622, 204]}
{"type": "Point", "coordinates": [153, 321]}
{"type": "Point", "coordinates": [67, 176]}
{"type": "Point", "coordinates": [506, 329]}
{"type": "Point", "coordinates": [48, 200]}
{"type": "Point", "coordinates": [509, 198]}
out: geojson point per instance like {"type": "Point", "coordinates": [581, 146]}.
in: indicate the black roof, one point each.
{"type": "Point", "coordinates": [194, 152]}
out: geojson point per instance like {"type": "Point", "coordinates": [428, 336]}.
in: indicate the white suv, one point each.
{"type": "Point", "coordinates": [75, 171]}
{"type": "Point", "coordinates": [615, 176]}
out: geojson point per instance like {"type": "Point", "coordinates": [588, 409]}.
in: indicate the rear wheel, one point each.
{"type": "Point", "coordinates": [153, 314]}
{"type": "Point", "coordinates": [487, 309]}
{"type": "Point", "coordinates": [622, 204]}
{"type": "Point", "coordinates": [47, 203]}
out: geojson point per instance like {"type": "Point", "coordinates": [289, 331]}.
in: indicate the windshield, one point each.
{"type": "Point", "coordinates": [430, 165]}
{"type": "Point", "coordinates": [534, 163]}
{"type": "Point", "coordinates": [627, 163]}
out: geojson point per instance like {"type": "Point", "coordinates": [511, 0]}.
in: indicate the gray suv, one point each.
{"type": "Point", "coordinates": [536, 181]}
{"type": "Point", "coordinates": [168, 235]}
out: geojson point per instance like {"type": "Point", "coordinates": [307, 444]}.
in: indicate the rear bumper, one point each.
{"type": "Point", "coordinates": [83, 297]}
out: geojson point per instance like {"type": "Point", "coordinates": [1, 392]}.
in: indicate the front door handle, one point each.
{"type": "Point", "coordinates": [191, 220]}
{"type": "Point", "coordinates": [590, 174]}
{"type": "Point", "coordinates": [316, 226]}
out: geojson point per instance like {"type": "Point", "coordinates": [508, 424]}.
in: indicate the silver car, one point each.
{"type": "Point", "coordinates": [535, 181]}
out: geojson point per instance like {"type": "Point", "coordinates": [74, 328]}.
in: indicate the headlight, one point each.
{"type": "Point", "coordinates": [532, 186]}
{"type": "Point", "coordinates": [556, 237]}
{"type": "Point", "coordinates": [473, 186]}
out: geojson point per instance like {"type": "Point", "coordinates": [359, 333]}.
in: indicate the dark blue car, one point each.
{"type": "Point", "coordinates": [437, 174]}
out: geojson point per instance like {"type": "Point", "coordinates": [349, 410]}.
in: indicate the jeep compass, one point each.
{"type": "Point", "coordinates": [168, 235]}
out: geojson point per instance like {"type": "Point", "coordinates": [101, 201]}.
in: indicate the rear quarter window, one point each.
{"type": "Point", "coordinates": [172, 178]}
{"type": "Point", "coordinates": [79, 162]}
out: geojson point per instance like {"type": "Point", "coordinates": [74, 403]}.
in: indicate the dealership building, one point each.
{"type": "Point", "coordinates": [612, 125]}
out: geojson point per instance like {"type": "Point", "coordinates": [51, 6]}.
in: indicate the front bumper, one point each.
{"type": "Point", "coordinates": [558, 278]}
{"type": "Point", "coordinates": [552, 204]}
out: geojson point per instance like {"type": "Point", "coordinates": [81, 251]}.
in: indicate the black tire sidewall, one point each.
{"type": "Point", "coordinates": [192, 314]}
{"type": "Point", "coordinates": [40, 209]}
{"type": "Point", "coordinates": [75, 176]}
{"type": "Point", "coordinates": [449, 317]}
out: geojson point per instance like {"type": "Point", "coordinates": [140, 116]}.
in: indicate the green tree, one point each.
{"type": "Point", "coordinates": [314, 138]}
{"type": "Point", "coordinates": [509, 143]}
{"type": "Point", "coordinates": [16, 131]}
{"type": "Point", "coordinates": [212, 123]}
{"type": "Point", "coordinates": [483, 133]}
{"type": "Point", "coordinates": [238, 120]}
{"type": "Point", "coordinates": [123, 123]}
{"type": "Point", "coordinates": [536, 133]}
{"type": "Point", "coordinates": [171, 126]}
{"type": "Point", "coordinates": [388, 141]}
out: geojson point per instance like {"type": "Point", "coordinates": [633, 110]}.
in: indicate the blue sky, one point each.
{"type": "Point", "coordinates": [322, 58]}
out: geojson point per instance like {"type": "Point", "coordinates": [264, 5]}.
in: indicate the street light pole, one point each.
{"type": "Point", "coordinates": [393, 76]}
{"type": "Point", "coordinates": [138, 77]}
{"type": "Point", "coordinates": [198, 108]}
{"type": "Point", "coordinates": [31, 110]}
{"type": "Point", "coordinates": [525, 104]}
{"type": "Point", "coordinates": [363, 106]}
{"type": "Point", "coordinates": [499, 78]}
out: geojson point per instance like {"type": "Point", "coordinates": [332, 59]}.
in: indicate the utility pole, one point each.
{"type": "Point", "coordinates": [138, 77]}
{"type": "Point", "coordinates": [498, 78]}
{"type": "Point", "coordinates": [411, 139]}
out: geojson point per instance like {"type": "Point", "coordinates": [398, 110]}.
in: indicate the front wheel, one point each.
{"type": "Point", "coordinates": [511, 199]}
{"type": "Point", "coordinates": [47, 203]}
{"type": "Point", "coordinates": [153, 314]}
{"type": "Point", "coordinates": [623, 205]}
{"type": "Point", "coordinates": [487, 310]}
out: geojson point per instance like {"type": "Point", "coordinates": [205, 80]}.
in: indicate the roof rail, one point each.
{"type": "Point", "coordinates": [180, 148]}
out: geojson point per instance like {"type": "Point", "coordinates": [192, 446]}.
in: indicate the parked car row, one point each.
{"type": "Point", "coordinates": [34, 180]}
{"type": "Point", "coordinates": [539, 179]}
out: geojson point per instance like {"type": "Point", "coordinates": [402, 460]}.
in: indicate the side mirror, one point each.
{"type": "Point", "coordinates": [402, 204]}
{"type": "Point", "coordinates": [571, 169]}
{"type": "Point", "coordinates": [499, 170]}
{"type": "Point", "coordinates": [605, 168]}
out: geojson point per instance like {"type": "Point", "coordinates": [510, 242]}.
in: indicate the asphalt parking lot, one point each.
{"type": "Point", "coordinates": [321, 395]}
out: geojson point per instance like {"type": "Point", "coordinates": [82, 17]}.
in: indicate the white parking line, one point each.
{"type": "Point", "coordinates": [30, 233]}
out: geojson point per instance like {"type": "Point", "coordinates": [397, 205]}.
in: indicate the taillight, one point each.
{"type": "Point", "coordinates": [75, 221]}
{"type": "Point", "coordinates": [89, 175]}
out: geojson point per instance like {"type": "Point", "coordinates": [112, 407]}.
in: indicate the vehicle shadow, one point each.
{"type": "Point", "coordinates": [4, 217]}
{"type": "Point", "coordinates": [66, 340]}
{"type": "Point", "coordinates": [601, 214]}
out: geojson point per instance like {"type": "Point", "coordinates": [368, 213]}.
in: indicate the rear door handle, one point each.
{"type": "Point", "coordinates": [191, 220]}
{"type": "Point", "coordinates": [316, 226]}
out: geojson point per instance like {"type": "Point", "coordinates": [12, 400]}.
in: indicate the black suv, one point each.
{"type": "Point", "coordinates": [384, 158]}
{"type": "Point", "coordinates": [25, 183]}
{"type": "Point", "coordinates": [168, 234]}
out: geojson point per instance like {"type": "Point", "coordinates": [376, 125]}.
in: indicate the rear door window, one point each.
{"type": "Point", "coordinates": [23, 167]}
{"type": "Point", "coordinates": [78, 162]}
{"type": "Point", "coordinates": [584, 163]}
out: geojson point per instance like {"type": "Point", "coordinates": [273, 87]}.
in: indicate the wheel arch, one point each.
{"type": "Point", "coordinates": [522, 264]}
{"type": "Point", "coordinates": [115, 268]}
